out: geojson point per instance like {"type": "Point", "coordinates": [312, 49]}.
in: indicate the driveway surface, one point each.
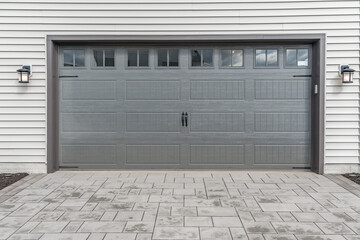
{"type": "Point", "coordinates": [129, 205]}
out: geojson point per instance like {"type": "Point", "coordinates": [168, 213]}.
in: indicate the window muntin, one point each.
{"type": "Point", "coordinates": [138, 58]}
{"type": "Point", "coordinates": [74, 58]}
{"type": "Point", "coordinates": [168, 57]}
{"type": "Point", "coordinates": [104, 58]}
{"type": "Point", "coordinates": [266, 58]}
{"type": "Point", "coordinates": [202, 58]}
{"type": "Point", "coordinates": [297, 57]}
{"type": "Point", "coordinates": [232, 58]}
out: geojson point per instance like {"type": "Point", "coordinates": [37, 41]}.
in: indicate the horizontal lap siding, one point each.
{"type": "Point", "coordinates": [24, 25]}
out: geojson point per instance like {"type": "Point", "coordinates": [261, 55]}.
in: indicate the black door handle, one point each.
{"type": "Point", "coordinates": [182, 118]}
{"type": "Point", "coordinates": [186, 119]}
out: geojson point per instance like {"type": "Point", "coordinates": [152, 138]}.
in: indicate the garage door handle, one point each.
{"type": "Point", "coordinates": [68, 76]}
{"type": "Point", "coordinates": [182, 118]}
{"type": "Point", "coordinates": [186, 119]}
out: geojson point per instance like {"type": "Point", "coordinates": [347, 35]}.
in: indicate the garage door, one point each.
{"type": "Point", "coordinates": [185, 107]}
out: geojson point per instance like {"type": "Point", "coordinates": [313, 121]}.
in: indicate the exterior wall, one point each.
{"type": "Point", "coordinates": [25, 24]}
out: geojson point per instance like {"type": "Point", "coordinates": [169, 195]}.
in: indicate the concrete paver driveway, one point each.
{"type": "Point", "coordinates": [180, 205]}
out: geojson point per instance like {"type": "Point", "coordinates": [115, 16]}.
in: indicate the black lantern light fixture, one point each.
{"type": "Point", "coordinates": [24, 73]}
{"type": "Point", "coordinates": [346, 73]}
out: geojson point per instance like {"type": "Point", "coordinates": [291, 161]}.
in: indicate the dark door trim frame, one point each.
{"type": "Point", "coordinates": [318, 42]}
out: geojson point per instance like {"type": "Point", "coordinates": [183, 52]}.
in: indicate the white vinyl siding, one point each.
{"type": "Point", "coordinates": [24, 25]}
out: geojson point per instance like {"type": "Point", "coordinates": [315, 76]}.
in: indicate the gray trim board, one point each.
{"type": "Point", "coordinates": [318, 77]}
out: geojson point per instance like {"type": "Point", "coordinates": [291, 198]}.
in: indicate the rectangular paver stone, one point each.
{"type": "Point", "coordinates": [176, 233]}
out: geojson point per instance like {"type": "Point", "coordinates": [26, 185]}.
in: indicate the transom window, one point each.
{"type": "Point", "coordinates": [168, 57]}
{"type": "Point", "coordinates": [104, 58]}
{"type": "Point", "coordinates": [297, 57]}
{"type": "Point", "coordinates": [74, 58]}
{"type": "Point", "coordinates": [232, 58]}
{"type": "Point", "coordinates": [138, 58]}
{"type": "Point", "coordinates": [202, 58]}
{"type": "Point", "coordinates": [266, 58]}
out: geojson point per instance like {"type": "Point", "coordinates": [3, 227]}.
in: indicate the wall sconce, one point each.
{"type": "Point", "coordinates": [24, 73]}
{"type": "Point", "coordinates": [346, 73]}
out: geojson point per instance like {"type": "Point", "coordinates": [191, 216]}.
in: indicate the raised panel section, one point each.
{"type": "Point", "coordinates": [217, 154]}
{"type": "Point", "coordinates": [281, 122]}
{"type": "Point", "coordinates": [153, 154]}
{"type": "Point", "coordinates": [88, 154]}
{"type": "Point", "coordinates": [282, 154]}
{"type": "Point", "coordinates": [217, 90]}
{"type": "Point", "coordinates": [88, 90]}
{"type": "Point", "coordinates": [88, 122]}
{"type": "Point", "coordinates": [217, 122]}
{"type": "Point", "coordinates": [282, 89]}
{"type": "Point", "coordinates": [152, 90]}
{"type": "Point", "coordinates": [152, 122]}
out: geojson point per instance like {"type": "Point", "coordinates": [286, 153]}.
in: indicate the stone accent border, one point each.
{"type": "Point", "coordinates": [18, 186]}
{"type": "Point", "coordinates": [345, 183]}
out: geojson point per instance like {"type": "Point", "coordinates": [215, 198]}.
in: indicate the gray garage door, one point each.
{"type": "Point", "coordinates": [185, 107]}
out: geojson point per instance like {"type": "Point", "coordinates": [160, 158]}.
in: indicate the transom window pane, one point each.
{"type": "Point", "coordinates": [109, 58]}
{"type": "Point", "coordinates": [173, 57]}
{"type": "Point", "coordinates": [297, 57]}
{"type": "Point", "coordinates": [74, 58]}
{"type": "Point", "coordinates": [68, 58]}
{"type": "Point", "coordinates": [168, 58]}
{"type": "Point", "coordinates": [196, 58]}
{"type": "Point", "coordinates": [98, 56]}
{"type": "Point", "coordinates": [207, 58]}
{"type": "Point", "coordinates": [162, 58]}
{"type": "Point", "coordinates": [303, 57]}
{"type": "Point", "coordinates": [237, 59]}
{"type": "Point", "coordinates": [226, 58]}
{"type": "Point", "coordinates": [138, 58]}
{"type": "Point", "coordinates": [266, 57]}
{"type": "Point", "coordinates": [260, 58]}
{"type": "Point", "coordinates": [132, 58]}
{"type": "Point", "coordinates": [104, 58]}
{"type": "Point", "coordinates": [143, 58]}
{"type": "Point", "coordinates": [79, 58]}
{"type": "Point", "coordinates": [231, 58]}
{"type": "Point", "coordinates": [202, 58]}
{"type": "Point", "coordinates": [290, 57]}
{"type": "Point", "coordinates": [271, 57]}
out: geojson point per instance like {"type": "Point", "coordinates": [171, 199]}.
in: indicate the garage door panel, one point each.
{"type": "Point", "coordinates": [282, 122]}
{"type": "Point", "coordinates": [89, 106]}
{"type": "Point", "coordinates": [217, 154]}
{"type": "Point", "coordinates": [153, 154]}
{"type": "Point", "coordinates": [217, 122]}
{"type": "Point", "coordinates": [89, 90]}
{"type": "Point", "coordinates": [152, 122]}
{"type": "Point", "coordinates": [282, 89]}
{"type": "Point", "coordinates": [217, 90]}
{"type": "Point", "coordinates": [88, 154]}
{"type": "Point", "coordinates": [152, 90]}
{"type": "Point", "coordinates": [282, 154]}
{"type": "Point", "coordinates": [89, 122]}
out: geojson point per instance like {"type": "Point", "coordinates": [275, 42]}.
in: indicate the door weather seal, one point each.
{"type": "Point", "coordinates": [301, 167]}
